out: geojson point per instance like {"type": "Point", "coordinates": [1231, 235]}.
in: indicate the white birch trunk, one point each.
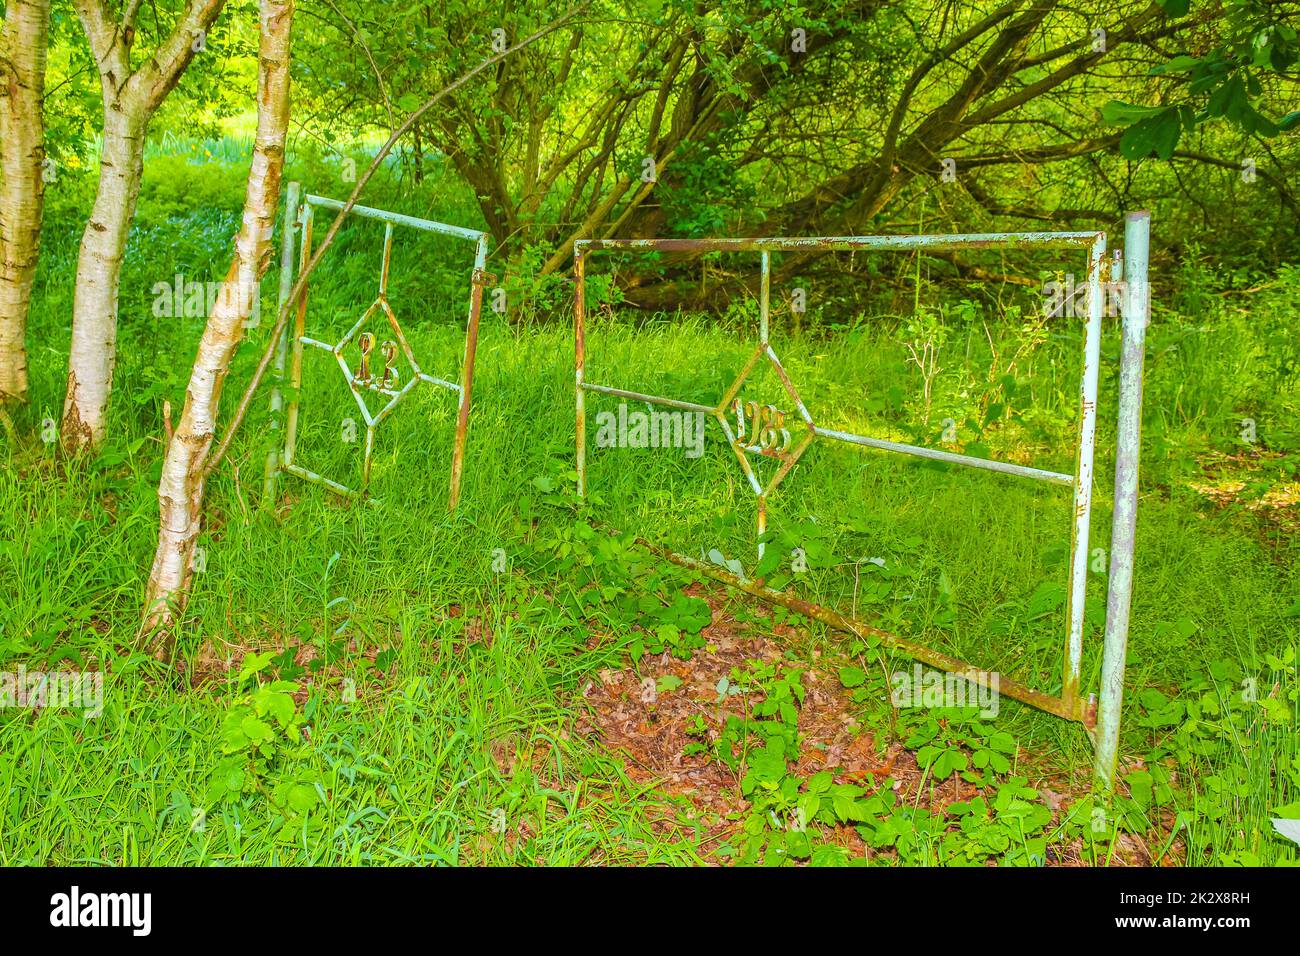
{"type": "Point", "coordinates": [22, 192]}
{"type": "Point", "coordinates": [131, 97]}
{"type": "Point", "coordinates": [180, 492]}
{"type": "Point", "coordinates": [99, 267]}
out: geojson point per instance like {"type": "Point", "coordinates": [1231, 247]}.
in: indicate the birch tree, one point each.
{"type": "Point", "coordinates": [23, 41]}
{"type": "Point", "coordinates": [131, 95]}
{"type": "Point", "coordinates": [180, 491]}
{"type": "Point", "coordinates": [191, 457]}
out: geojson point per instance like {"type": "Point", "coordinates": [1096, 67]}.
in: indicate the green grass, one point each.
{"type": "Point", "coordinates": [474, 709]}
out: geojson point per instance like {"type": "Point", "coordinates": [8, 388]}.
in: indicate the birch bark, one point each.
{"type": "Point", "coordinates": [180, 491]}
{"type": "Point", "coordinates": [23, 41]}
{"type": "Point", "coordinates": [131, 98]}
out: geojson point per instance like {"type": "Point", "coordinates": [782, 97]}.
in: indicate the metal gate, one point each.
{"type": "Point", "coordinates": [374, 373]}
{"type": "Point", "coordinates": [1100, 717]}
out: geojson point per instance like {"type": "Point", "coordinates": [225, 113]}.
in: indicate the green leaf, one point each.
{"type": "Point", "coordinates": [769, 562]}
{"type": "Point", "coordinates": [1119, 113]}
{"type": "Point", "coordinates": [1289, 812]}
{"type": "Point", "coordinates": [281, 708]}
{"type": "Point", "coordinates": [852, 676]}
{"type": "Point", "coordinates": [1047, 597]}
{"type": "Point", "coordinates": [820, 782]}
{"type": "Point", "coordinates": [256, 730]}
{"type": "Point", "coordinates": [254, 662]}
{"type": "Point", "coordinates": [1158, 134]}
{"type": "Point", "coordinates": [302, 797]}
{"type": "Point", "coordinates": [1140, 787]}
{"type": "Point", "coordinates": [1179, 64]}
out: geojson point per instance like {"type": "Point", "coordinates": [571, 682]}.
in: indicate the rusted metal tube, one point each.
{"type": "Point", "coordinates": [1069, 705]}
{"type": "Point", "coordinates": [579, 361]}
{"type": "Point", "coordinates": [850, 625]}
{"type": "Point", "coordinates": [288, 237]}
{"type": "Point", "coordinates": [952, 458]}
{"type": "Point", "coordinates": [1079, 534]}
{"type": "Point", "coordinates": [936, 243]}
{"type": "Point", "coordinates": [306, 474]}
{"type": "Point", "coordinates": [387, 259]}
{"type": "Point", "coordinates": [295, 364]}
{"type": "Point", "coordinates": [1136, 316]}
{"type": "Point", "coordinates": [467, 371]}
{"type": "Point", "coordinates": [643, 397]}
{"type": "Point", "coordinates": [397, 218]}
{"type": "Point", "coordinates": [386, 384]}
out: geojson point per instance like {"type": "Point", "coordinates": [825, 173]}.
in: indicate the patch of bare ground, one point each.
{"type": "Point", "coordinates": [652, 728]}
{"type": "Point", "coordinates": [1230, 480]}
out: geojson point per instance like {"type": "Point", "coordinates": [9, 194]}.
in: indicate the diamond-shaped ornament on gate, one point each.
{"type": "Point", "coordinates": [372, 368]}
{"type": "Point", "coordinates": [369, 356]}
{"type": "Point", "coordinates": [765, 430]}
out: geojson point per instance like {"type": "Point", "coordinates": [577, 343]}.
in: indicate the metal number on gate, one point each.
{"type": "Point", "coordinates": [765, 430]}
{"type": "Point", "coordinates": [376, 372]}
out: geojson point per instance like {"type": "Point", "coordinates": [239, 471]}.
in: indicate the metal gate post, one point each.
{"type": "Point", "coordinates": [295, 357]}
{"type": "Point", "coordinates": [287, 239]}
{"type": "Point", "coordinates": [1137, 314]}
{"type": "Point", "coordinates": [764, 309]}
{"type": "Point", "coordinates": [580, 361]}
{"type": "Point", "coordinates": [467, 371]}
{"type": "Point", "coordinates": [1083, 475]}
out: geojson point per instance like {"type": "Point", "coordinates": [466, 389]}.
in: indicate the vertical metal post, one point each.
{"type": "Point", "coordinates": [287, 237]}
{"type": "Point", "coordinates": [1136, 316]}
{"type": "Point", "coordinates": [295, 364]}
{"type": "Point", "coordinates": [764, 310]}
{"type": "Point", "coordinates": [370, 451]}
{"type": "Point", "coordinates": [467, 371]}
{"type": "Point", "coordinates": [388, 258]}
{"type": "Point", "coordinates": [1083, 476]}
{"type": "Point", "coordinates": [580, 353]}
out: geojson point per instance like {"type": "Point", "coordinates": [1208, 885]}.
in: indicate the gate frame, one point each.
{"type": "Point", "coordinates": [1101, 720]}
{"type": "Point", "coordinates": [298, 219]}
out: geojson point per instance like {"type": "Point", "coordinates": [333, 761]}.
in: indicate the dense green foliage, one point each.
{"type": "Point", "coordinates": [443, 693]}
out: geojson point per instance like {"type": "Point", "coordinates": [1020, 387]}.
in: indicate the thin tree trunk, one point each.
{"type": "Point", "coordinates": [180, 492]}
{"type": "Point", "coordinates": [131, 98]}
{"type": "Point", "coordinates": [99, 269]}
{"type": "Point", "coordinates": [22, 194]}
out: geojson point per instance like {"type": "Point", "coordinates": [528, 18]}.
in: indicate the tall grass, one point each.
{"type": "Point", "coordinates": [475, 712]}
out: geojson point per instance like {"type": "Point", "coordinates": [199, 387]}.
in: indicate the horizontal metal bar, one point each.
{"type": "Point", "coordinates": [1027, 695]}
{"type": "Point", "coordinates": [383, 215]}
{"type": "Point", "coordinates": [316, 343]}
{"type": "Point", "coordinates": [311, 476]}
{"type": "Point", "coordinates": [441, 383]}
{"type": "Point", "coordinates": [936, 243]}
{"type": "Point", "coordinates": [1006, 468]}
{"type": "Point", "coordinates": [652, 399]}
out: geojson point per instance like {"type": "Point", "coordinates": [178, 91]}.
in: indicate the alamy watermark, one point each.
{"type": "Point", "coordinates": [75, 690]}
{"type": "Point", "coordinates": [1066, 298]}
{"type": "Point", "coordinates": [193, 299]}
{"type": "Point", "coordinates": [654, 428]}
{"type": "Point", "coordinates": [922, 687]}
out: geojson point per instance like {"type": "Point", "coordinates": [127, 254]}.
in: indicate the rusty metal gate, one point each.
{"type": "Point", "coordinates": [374, 374]}
{"type": "Point", "coordinates": [1101, 717]}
